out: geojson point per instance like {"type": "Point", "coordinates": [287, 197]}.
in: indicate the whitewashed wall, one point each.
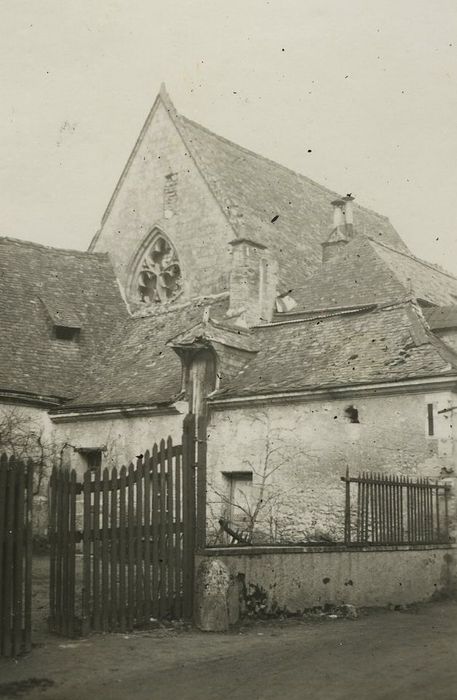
{"type": "Point", "coordinates": [298, 452]}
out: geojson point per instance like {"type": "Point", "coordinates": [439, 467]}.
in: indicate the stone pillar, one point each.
{"type": "Point", "coordinates": [212, 583]}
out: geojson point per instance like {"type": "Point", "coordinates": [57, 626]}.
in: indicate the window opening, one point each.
{"type": "Point", "coordinates": [92, 457]}
{"type": "Point", "coordinates": [430, 419]}
{"type": "Point", "coordinates": [159, 276]}
{"type": "Point", "coordinates": [66, 333]}
{"type": "Point", "coordinates": [352, 413]}
{"type": "Point", "coordinates": [240, 501]}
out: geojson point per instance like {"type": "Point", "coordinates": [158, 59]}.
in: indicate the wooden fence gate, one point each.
{"type": "Point", "coordinates": [123, 541]}
{"type": "Point", "coordinates": [16, 496]}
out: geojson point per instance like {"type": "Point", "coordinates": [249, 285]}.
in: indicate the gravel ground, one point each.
{"type": "Point", "coordinates": [381, 655]}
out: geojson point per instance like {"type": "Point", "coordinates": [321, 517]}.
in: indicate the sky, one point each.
{"type": "Point", "coordinates": [359, 96]}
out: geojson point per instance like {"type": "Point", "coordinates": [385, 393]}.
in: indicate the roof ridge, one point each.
{"type": "Point", "coordinates": [324, 317]}
{"type": "Point", "coordinates": [371, 308]}
{"type": "Point", "coordinates": [33, 244]}
{"type": "Point", "coordinates": [159, 312]}
{"type": "Point", "coordinates": [432, 266]}
{"type": "Point", "coordinates": [312, 182]}
{"type": "Point", "coordinates": [416, 316]}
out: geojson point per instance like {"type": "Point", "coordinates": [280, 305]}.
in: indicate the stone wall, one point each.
{"type": "Point", "coordinates": [34, 440]}
{"type": "Point", "coordinates": [297, 453]}
{"type": "Point", "coordinates": [121, 439]}
{"type": "Point", "coordinates": [273, 580]}
{"type": "Point", "coordinates": [193, 221]}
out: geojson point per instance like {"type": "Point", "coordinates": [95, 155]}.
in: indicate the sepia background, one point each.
{"type": "Point", "coordinates": [360, 97]}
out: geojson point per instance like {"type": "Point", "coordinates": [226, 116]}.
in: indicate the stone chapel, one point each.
{"type": "Point", "coordinates": [222, 283]}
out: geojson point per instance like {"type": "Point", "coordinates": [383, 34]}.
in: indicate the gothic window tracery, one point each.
{"type": "Point", "coordinates": [159, 273]}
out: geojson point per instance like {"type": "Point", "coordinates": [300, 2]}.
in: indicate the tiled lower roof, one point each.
{"type": "Point", "coordinates": [366, 271]}
{"type": "Point", "coordinates": [382, 345]}
{"type": "Point", "coordinates": [135, 366]}
{"type": "Point", "coordinates": [41, 287]}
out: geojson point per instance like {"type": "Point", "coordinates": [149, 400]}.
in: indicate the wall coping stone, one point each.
{"type": "Point", "coordinates": [234, 551]}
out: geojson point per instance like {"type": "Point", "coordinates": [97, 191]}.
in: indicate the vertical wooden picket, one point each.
{"type": "Point", "coordinates": [138, 539]}
{"type": "Point", "coordinates": [96, 552]}
{"type": "Point", "coordinates": [87, 558]}
{"type": "Point", "coordinates": [147, 535]}
{"type": "Point", "coordinates": [122, 549]}
{"type": "Point", "coordinates": [3, 581]}
{"type": "Point", "coordinates": [170, 527]}
{"type": "Point", "coordinates": [155, 532]}
{"type": "Point", "coordinates": [28, 559]}
{"type": "Point", "coordinates": [18, 543]}
{"type": "Point", "coordinates": [114, 553]}
{"type": "Point", "coordinates": [179, 535]}
{"type": "Point", "coordinates": [16, 500]}
{"type": "Point", "coordinates": [105, 593]}
{"type": "Point", "coordinates": [130, 549]}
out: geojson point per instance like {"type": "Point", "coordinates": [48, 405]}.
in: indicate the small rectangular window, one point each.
{"type": "Point", "coordinates": [93, 458]}
{"type": "Point", "coordinates": [66, 333]}
{"type": "Point", "coordinates": [239, 500]}
{"type": "Point", "coordinates": [430, 419]}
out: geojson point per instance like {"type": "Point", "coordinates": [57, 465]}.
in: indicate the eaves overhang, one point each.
{"type": "Point", "coordinates": [388, 388]}
{"type": "Point", "coordinates": [23, 397]}
{"type": "Point", "coordinates": [110, 412]}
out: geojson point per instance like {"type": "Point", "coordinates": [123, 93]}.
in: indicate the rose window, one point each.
{"type": "Point", "coordinates": [159, 277]}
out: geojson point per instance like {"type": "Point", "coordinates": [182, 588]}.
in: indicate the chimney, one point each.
{"type": "Point", "coordinates": [253, 282]}
{"type": "Point", "coordinates": [342, 229]}
{"type": "Point", "coordinates": [338, 213]}
{"type": "Point", "coordinates": [348, 212]}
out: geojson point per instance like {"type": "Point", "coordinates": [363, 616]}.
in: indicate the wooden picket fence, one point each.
{"type": "Point", "coordinates": [137, 541]}
{"type": "Point", "coordinates": [388, 509]}
{"type": "Point", "coordinates": [16, 497]}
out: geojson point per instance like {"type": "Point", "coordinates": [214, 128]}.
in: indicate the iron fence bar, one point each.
{"type": "Point", "coordinates": [394, 510]}
{"type": "Point", "coordinates": [437, 502]}
{"type": "Point", "coordinates": [347, 520]}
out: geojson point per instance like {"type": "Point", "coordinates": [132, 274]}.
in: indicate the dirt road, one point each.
{"type": "Point", "coordinates": [385, 655]}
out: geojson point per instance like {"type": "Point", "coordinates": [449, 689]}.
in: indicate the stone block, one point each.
{"type": "Point", "coordinates": [211, 596]}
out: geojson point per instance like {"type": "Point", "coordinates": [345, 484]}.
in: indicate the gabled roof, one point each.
{"type": "Point", "coordinates": [252, 191]}
{"type": "Point", "coordinates": [41, 287]}
{"type": "Point", "coordinates": [212, 331]}
{"type": "Point", "coordinates": [425, 280]}
{"type": "Point", "coordinates": [366, 271]}
{"type": "Point", "coordinates": [135, 366]}
{"type": "Point", "coordinates": [385, 345]}
{"type": "Point", "coordinates": [441, 317]}
{"type": "Point", "coordinates": [61, 310]}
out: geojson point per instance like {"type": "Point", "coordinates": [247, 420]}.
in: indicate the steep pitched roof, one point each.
{"type": "Point", "coordinates": [136, 367]}
{"type": "Point", "coordinates": [252, 190]}
{"type": "Point", "coordinates": [366, 271]}
{"type": "Point", "coordinates": [426, 281]}
{"type": "Point", "coordinates": [389, 344]}
{"type": "Point", "coordinates": [41, 287]}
